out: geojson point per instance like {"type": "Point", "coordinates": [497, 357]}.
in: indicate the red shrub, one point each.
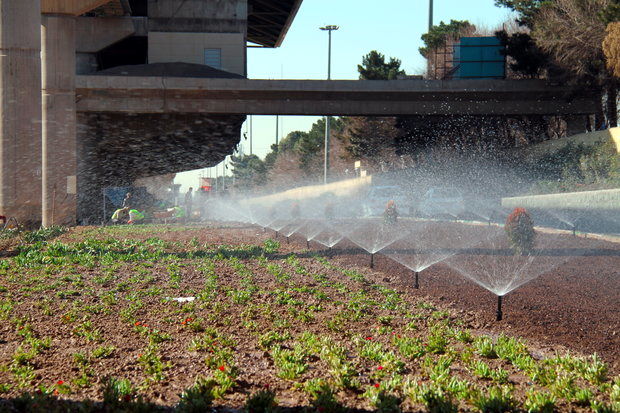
{"type": "Point", "coordinates": [520, 231]}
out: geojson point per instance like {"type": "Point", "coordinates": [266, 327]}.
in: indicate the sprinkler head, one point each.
{"type": "Point", "coordinates": [499, 308]}
{"type": "Point", "coordinates": [276, 235]}
{"type": "Point", "coordinates": [416, 283]}
{"type": "Point", "coordinates": [307, 244]}
{"type": "Point", "coordinates": [372, 260]}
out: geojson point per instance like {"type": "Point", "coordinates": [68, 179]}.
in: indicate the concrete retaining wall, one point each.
{"type": "Point", "coordinates": [534, 152]}
{"type": "Point", "coordinates": [349, 187]}
{"type": "Point", "coordinates": [603, 200]}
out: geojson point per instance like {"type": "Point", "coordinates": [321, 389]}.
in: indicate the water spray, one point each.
{"type": "Point", "coordinates": [499, 308]}
{"type": "Point", "coordinates": [416, 283]}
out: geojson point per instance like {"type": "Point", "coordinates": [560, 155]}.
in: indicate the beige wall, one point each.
{"type": "Point", "coordinates": [605, 199]}
{"type": "Point", "coordinates": [348, 187]}
{"type": "Point", "coordinates": [189, 48]}
{"type": "Point", "coordinates": [533, 152]}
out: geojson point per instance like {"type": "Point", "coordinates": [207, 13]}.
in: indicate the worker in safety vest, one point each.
{"type": "Point", "coordinates": [120, 215]}
{"type": "Point", "coordinates": [135, 216]}
{"type": "Point", "coordinates": [178, 212]}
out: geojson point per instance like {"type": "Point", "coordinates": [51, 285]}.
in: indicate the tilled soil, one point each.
{"type": "Point", "coordinates": [576, 306]}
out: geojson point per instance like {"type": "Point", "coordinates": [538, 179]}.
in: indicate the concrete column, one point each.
{"type": "Point", "coordinates": [575, 124]}
{"type": "Point", "coordinates": [20, 109]}
{"type": "Point", "coordinates": [59, 120]}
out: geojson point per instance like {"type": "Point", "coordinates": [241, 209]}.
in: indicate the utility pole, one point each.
{"type": "Point", "coordinates": [251, 135]}
{"type": "Point", "coordinates": [430, 14]}
{"type": "Point", "coordinates": [329, 29]}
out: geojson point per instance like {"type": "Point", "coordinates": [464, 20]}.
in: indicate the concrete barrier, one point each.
{"type": "Point", "coordinates": [602, 200]}
{"type": "Point", "coordinates": [534, 152]}
{"type": "Point", "coordinates": [346, 188]}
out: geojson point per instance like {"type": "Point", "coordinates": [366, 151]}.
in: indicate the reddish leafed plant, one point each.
{"type": "Point", "coordinates": [520, 231]}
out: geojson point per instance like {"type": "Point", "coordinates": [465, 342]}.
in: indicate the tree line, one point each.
{"type": "Point", "coordinates": [562, 41]}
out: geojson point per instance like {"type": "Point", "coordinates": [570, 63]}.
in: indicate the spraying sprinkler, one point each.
{"type": "Point", "coordinates": [416, 283]}
{"type": "Point", "coordinates": [276, 235]}
{"type": "Point", "coordinates": [372, 260]}
{"type": "Point", "coordinates": [574, 230]}
{"type": "Point", "coordinates": [288, 241]}
{"type": "Point", "coordinates": [499, 308]}
{"type": "Point", "coordinates": [307, 244]}
{"type": "Point", "coordinates": [490, 218]}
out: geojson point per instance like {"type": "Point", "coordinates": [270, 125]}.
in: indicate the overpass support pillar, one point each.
{"type": "Point", "coordinates": [59, 120]}
{"type": "Point", "coordinates": [20, 109]}
{"type": "Point", "coordinates": [575, 124]}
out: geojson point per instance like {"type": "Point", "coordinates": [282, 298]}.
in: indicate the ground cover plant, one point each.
{"type": "Point", "coordinates": [161, 318]}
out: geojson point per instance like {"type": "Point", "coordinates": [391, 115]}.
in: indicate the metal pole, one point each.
{"type": "Point", "coordinates": [251, 135]}
{"type": "Point", "coordinates": [430, 15]}
{"type": "Point", "coordinates": [217, 185]}
{"type": "Point", "coordinates": [326, 161]}
{"type": "Point", "coordinates": [329, 56]}
{"type": "Point", "coordinates": [499, 308]}
{"type": "Point", "coordinates": [329, 29]}
{"type": "Point", "coordinates": [327, 122]}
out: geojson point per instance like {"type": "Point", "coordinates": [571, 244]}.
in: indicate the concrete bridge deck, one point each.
{"type": "Point", "coordinates": [132, 94]}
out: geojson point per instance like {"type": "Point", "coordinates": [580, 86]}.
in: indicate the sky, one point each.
{"type": "Point", "coordinates": [392, 27]}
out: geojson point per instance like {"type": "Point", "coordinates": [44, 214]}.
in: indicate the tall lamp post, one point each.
{"type": "Point", "coordinates": [329, 29]}
{"type": "Point", "coordinates": [430, 15]}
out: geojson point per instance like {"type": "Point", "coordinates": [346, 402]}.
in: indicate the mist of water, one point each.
{"type": "Point", "coordinates": [495, 266]}
{"type": "Point", "coordinates": [373, 235]}
{"type": "Point", "coordinates": [429, 242]}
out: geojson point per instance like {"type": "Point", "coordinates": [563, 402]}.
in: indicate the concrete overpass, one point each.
{"type": "Point", "coordinates": [62, 134]}
{"type": "Point", "coordinates": [136, 94]}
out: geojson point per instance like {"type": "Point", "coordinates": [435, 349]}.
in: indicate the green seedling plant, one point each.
{"type": "Point", "coordinates": [290, 364]}
{"type": "Point", "coordinates": [251, 300]}
{"type": "Point", "coordinates": [261, 401]}
{"type": "Point", "coordinates": [152, 364]}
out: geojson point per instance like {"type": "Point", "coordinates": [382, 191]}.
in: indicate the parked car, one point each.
{"type": "Point", "coordinates": [442, 202]}
{"type": "Point", "coordinates": [378, 196]}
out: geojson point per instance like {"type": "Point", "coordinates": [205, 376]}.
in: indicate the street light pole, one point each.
{"type": "Point", "coordinates": [329, 29]}
{"type": "Point", "coordinates": [430, 15]}
{"type": "Point", "coordinates": [251, 135]}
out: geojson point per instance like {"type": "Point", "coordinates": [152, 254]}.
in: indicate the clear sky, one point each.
{"type": "Point", "coordinates": [392, 27]}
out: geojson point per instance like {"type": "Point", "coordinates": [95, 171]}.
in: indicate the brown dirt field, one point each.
{"type": "Point", "coordinates": [576, 306]}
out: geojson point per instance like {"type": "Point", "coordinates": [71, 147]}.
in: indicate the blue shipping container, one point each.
{"type": "Point", "coordinates": [479, 58]}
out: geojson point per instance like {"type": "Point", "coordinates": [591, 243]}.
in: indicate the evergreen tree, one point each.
{"type": "Point", "coordinates": [438, 35]}
{"type": "Point", "coordinates": [374, 67]}
{"type": "Point", "coordinates": [249, 171]}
